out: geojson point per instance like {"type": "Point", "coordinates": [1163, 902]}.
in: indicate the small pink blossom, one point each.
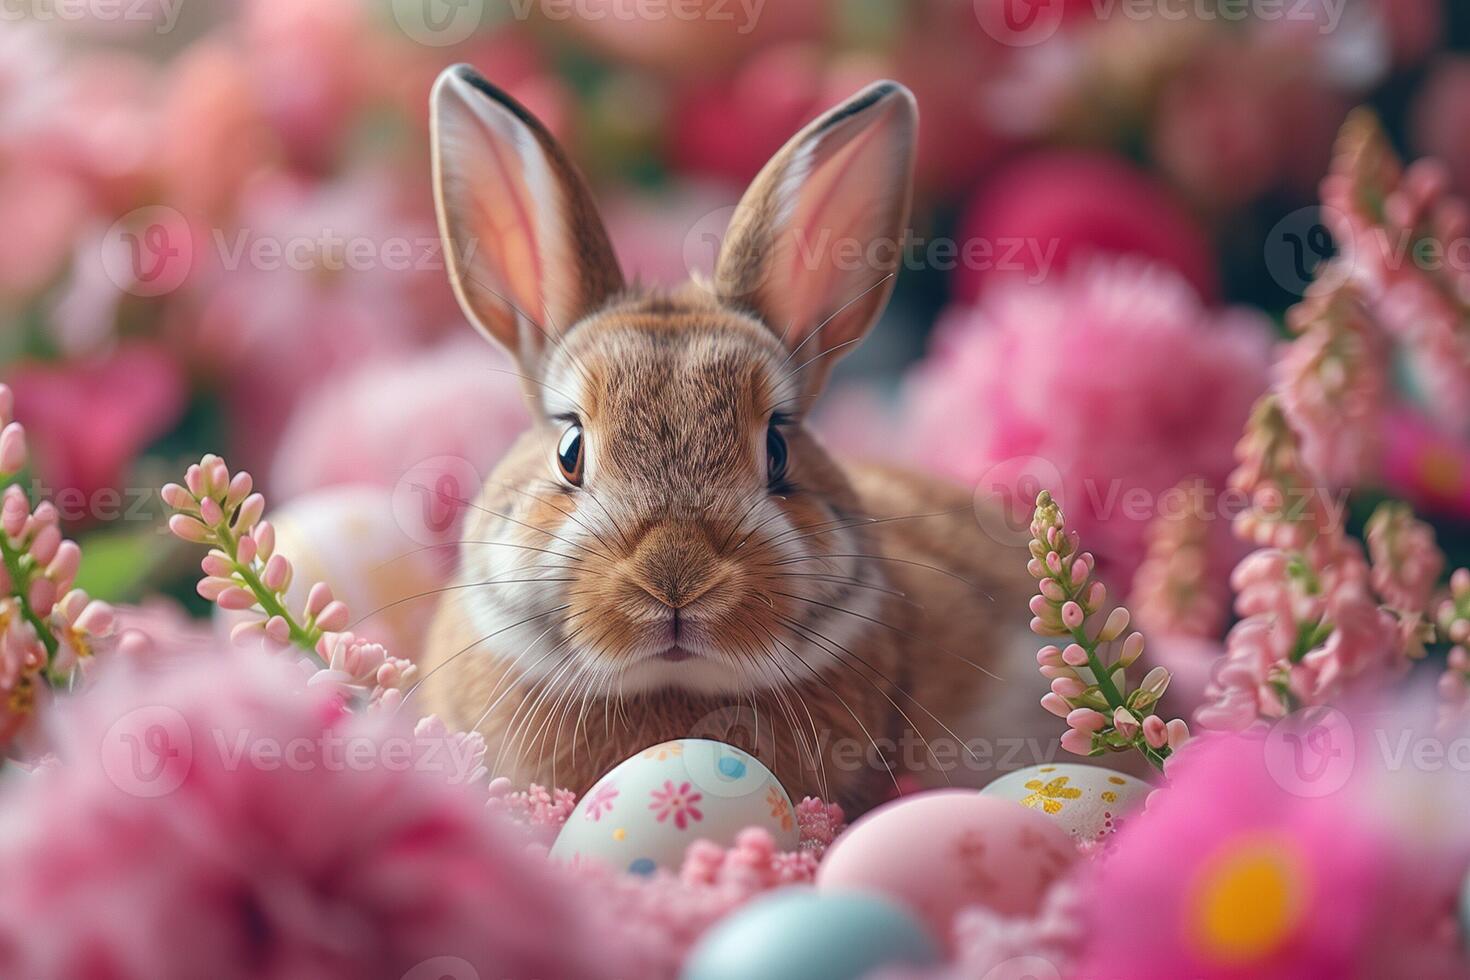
{"type": "Point", "coordinates": [678, 802]}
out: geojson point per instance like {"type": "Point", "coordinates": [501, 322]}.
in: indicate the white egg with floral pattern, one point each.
{"type": "Point", "coordinates": [1088, 802]}
{"type": "Point", "coordinates": [645, 812]}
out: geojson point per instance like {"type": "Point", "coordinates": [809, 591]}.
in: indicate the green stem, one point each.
{"type": "Point", "coordinates": [20, 580]}
{"type": "Point", "coordinates": [305, 637]}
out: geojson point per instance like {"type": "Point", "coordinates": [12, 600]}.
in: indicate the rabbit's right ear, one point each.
{"type": "Point", "coordinates": [527, 254]}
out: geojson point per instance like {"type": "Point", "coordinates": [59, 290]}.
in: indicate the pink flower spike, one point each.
{"type": "Point", "coordinates": [1125, 722]}
{"type": "Point", "coordinates": [47, 542]}
{"type": "Point", "coordinates": [1068, 687]}
{"type": "Point", "coordinates": [265, 538]}
{"type": "Point", "coordinates": [14, 512]}
{"type": "Point", "coordinates": [240, 488]}
{"type": "Point", "coordinates": [12, 449]}
{"type": "Point", "coordinates": [210, 512]}
{"type": "Point", "coordinates": [318, 598]}
{"type": "Point", "coordinates": [177, 497]}
{"type": "Point", "coordinates": [42, 596]}
{"type": "Point", "coordinates": [217, 564]}
{"type": "Point", "coordinates": [236, 598]}
{"type": "Point", "coordinates": [211, 587]}
{"type": "Point", "coordinates": [1155, 732]}
{"type": "Point", "coordinates": [64, 565]}
{"type": "Point", "coordinates": [251, 510]}
{"type": "Point", "coordinates": [1077, 742]}
{"type": "Point", "coordinates": [96, 619]}
{"type": "Point", "coordinates": [1087, 720]}
{"type": "Point", "coordinates": [278, 630]}
{"type": "Point", "coordinates": [1072, 615]}
{"type": "Point", "coordinates": [277, 575]}
{"type": "Point", "coordinates": [189, 529]}
{"type": "Point", "coordinates": [334, 618]}
{"type": "Point", "coordinates": [246, 630]}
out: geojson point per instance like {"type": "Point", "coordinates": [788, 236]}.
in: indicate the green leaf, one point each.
{"type": "Point", "coordinates": [115, 565]}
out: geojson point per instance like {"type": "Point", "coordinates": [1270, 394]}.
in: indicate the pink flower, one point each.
{"type": "Point", "coordinates": [339, 269]}
{"type": "Point", "coordinates": [678, 802]}
{"type": "Point", "coordinates": [310, 66]}
{"type": "Point", "coordinates": [188, 852]}
{"type": "Point", "coordinates": [460, 400]}
{"type": "Point", "coordinates": [1046, 211]}
{"type": "Point", "coordinates": [600, 802]}
{"type": "Point", "coordinates": [1244, 878]}
{"type": "Point", "coordinates": [89, 420]}
{"type": "Point", "coordinates": [1440, 120]}
{"type": "Point", "coordinates": [1100, 374]}
{"type": "Point", "coordinates": [1426, 465]}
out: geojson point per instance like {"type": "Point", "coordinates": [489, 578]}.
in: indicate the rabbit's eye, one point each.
{"type": "Point", "coordinates": [775, 455]}
{"type": "Point", "coordinates": [569, 455]}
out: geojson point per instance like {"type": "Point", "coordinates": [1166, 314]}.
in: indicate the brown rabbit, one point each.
{"type": "Point", "coordinates": [668, 552]}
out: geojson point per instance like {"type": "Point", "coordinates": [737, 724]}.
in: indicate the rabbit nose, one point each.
{"type": "Point", "coordinates": [675, 564]}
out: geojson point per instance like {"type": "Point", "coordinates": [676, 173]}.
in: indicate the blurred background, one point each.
{"type": "Point", "coordinates": [218, 235]}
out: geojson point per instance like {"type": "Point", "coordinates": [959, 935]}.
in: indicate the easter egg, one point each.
{"type": "Point", "coordinates": [1465, 912]}
{"type": "Point", "coordinates": [940, 851]}
{"type": "Point", "coordinates": [650, 808]}
{"type": "Point", "coordinates": [803, 934]}
{"type": "Point", "coordinates": [1087, 802]}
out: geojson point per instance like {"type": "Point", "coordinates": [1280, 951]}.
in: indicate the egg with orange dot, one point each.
{"type": "Point", "coordinates": [1088, 802]}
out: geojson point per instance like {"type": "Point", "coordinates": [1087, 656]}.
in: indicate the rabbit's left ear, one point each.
{"type": "Point", "coordinates": [817, 240]}
{"type": "Point", "coordinates": [528, 255]}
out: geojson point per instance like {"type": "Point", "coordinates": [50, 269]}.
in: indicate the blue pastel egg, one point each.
{"type": "Point", "coordinates": [803, 934]}
{"type": "Point", "coordinates": [1465, 912]}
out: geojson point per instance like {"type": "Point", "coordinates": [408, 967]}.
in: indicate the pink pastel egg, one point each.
{"type": "Point", "coordinates": [940, 851]}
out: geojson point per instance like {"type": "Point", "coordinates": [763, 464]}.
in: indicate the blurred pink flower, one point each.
{"type": "Point", "coordinates": [1244, 878]}
{"type": "Point", "coordinates": [461, 399]}
{"type": "Point", "coordinates": [1426, 465]}
{"type": "Point", "coordinates": [164, 847]}
{"type": "Point", "coordinates": [706, 38]}
{"type": "Point", "coordinates": [313, 278]}
{"type": "Point", "coordinates": [44, 213]}
{"type": "Point", "coordinates": [729, 127]}
{"type": "Point", "coordinates": [308, 64]}
{"type": "Point", "coordinates": [1046, 210]}
{"type": "Point", "coordinates": [213, 135]}
{"type": "Point", "coordinates": [89, 419]}
{"type": "Point", "coordinates": [1440, 118]}
{"type": "Point", "coordinates": [1114, 375]}
{"type": "Point", "coordinates": [1243, 117]}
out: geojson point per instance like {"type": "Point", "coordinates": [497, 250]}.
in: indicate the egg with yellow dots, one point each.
{"type": "Point", "coordinates": [1088, 802]}
{"type": "Point", "coordinates": [646, 812]}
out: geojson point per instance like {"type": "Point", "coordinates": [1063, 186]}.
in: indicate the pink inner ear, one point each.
{"type": "Point", "coordinates": [503, 227]}
{"type": "Point", "coordinates": [837, 217]}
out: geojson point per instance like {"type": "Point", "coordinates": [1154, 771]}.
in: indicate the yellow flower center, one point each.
{"type": "Point", "coordinates": [1246, 902]}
